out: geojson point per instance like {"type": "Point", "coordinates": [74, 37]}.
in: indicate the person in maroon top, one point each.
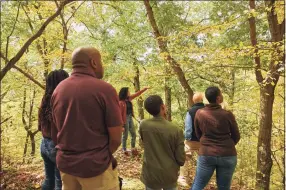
{"type": "Point", "coordinates": [49, 132]}
{"type": "Point", "coordinates": [88, 119]}
{"type": "Point", "coordinates": [127, 113]}
{"type": "Point", "coordinates": [218, 133]}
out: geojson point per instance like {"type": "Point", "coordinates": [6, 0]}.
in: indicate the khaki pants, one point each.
{"type": "Point", "coordinates": [191, 149]}
{"type": "Point", "coordinates": [192, 146]}
{"type": "Point", "coordinates": [108, 180]}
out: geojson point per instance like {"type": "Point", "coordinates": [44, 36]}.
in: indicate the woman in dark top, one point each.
{"type": "Point", "coordinates": [127, 113]}
{"type": "Point", "coordinates": [49, 132]}
{"type": "Point", "coordinates": [218, 133]}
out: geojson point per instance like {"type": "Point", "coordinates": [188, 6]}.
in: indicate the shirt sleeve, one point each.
{"type": "Point", "coordinates": [188, 127]}
{"type": "Point", "coordinates": [234, 132]}
{"type": "Point", "coordinates": [180, 154]}
{"type": "Point", "coordinates": [113, 117]}
{"type": "Point", "coordinates": [131, 97]}
{"type": "Point", "coordinates": [197, 126]}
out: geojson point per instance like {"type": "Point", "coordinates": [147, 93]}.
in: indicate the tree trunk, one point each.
{"type": "Point", "coordinates": [232, 90]}
{"type": "Point", "coordinates": [168, 100]}
{"type": "Point", "coordinates": [264, 160]}
{"type": "Point", "coordinates": [63, 60]}
{"type": "Point", "coordinates": [25, 147]}
{"type": "Point", "coordinates": [136, 83]}
{"type": "Point", "coordinates": [33, 144]}
{"type": "Point", "coordinates": [267, 88]}
{"type": "Point", "coordinates": [164, 50]}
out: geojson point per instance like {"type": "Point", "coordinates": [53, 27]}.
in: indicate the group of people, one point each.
{"type": "Point", "coordinates": [82, 120]}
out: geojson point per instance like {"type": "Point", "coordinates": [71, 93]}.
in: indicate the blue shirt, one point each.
{"type": "Point", "coordinates": [188, 127]}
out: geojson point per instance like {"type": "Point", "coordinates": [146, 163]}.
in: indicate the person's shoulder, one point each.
{"type": "Point", "coordinates": [228, 113]}
{"type": "Point", "coordinates": [144, 122]}
{"type": "Point", "coordinates": [105, 86]}
{"type": "Point", "coordinates": [172, 125]}
{"type": "Point", "coordinates": [201, 110]}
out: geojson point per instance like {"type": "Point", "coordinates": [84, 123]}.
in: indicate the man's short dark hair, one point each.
{"type": "Point", "coordinates": [153, 104]}
{"type": "Point", "coordinates": [212, 93]}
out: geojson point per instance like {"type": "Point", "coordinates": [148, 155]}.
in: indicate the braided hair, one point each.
{"type": "Point", "coordinates": [52, 81]}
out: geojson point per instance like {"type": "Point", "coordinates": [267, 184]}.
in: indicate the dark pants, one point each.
{"type": "Point", "coordinates": [53, 178]}
{"type": "Point", "coordinates": [206, 165]}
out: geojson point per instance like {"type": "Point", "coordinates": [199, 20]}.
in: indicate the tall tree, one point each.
{"type": "Point", "coordinates": [267, 86]}
{"type": "Point", "coordinates": [164, 50]}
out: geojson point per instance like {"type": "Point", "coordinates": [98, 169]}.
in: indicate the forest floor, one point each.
{"type": "Point", "coordinates": [30, 176]}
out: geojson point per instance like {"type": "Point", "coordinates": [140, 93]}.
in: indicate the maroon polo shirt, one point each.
{"type": "Point", "coordinates": [84, 107]}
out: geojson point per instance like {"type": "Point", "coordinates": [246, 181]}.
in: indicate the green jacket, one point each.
{"type": "Point", "coordinates": [164, 152]}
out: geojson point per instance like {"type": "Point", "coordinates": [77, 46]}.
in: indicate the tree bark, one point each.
{"type": "Point", "coordinates": [136, 83]}
{"type": "Point", "coordinates": [65, 33]}
{"type": "Point", "coordinates": [264, 160]}
{"type": "Point", "coordinates": [267, 88]}
{"type": "Point", "coordinates": [20, 53]}
{"type": "Point", "coordinates": [33, 144]}
{"type": "Point", "coordinates": [25, 147]}
{"type": "Point", "coordinates": [164, 50]}
{"type": "Point", "coordinates": [168, 99]}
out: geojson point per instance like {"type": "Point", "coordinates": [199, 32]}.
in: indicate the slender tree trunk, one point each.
{"type": "Point", "coordinates": [232, 89]}
{"type": "Point", "coordinates": [164, 50]}
{"type": "Point", "coordinates": [168, 99]}
{"type": "Point", "coordinates": [264, 160]}
{"type": "Point", "coordinates": [33, 144]}
{"type": "Point", "coordinates": [136, 83]}
{"type": "Point", "coordinates": [25, 147]}
{"type": "Point", "coordinates": [64, 50]}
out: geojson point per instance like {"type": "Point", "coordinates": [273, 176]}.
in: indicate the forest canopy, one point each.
{"type": "Point", "coordinates": [176, 48]}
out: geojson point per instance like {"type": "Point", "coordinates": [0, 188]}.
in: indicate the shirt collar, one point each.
{"type": "Point", "coordinates": [83, 70]}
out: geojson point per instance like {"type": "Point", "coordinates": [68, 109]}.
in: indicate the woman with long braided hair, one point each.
{"type": "Point", "coordinates": [48, 151]}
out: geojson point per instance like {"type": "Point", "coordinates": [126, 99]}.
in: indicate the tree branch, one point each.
{"type": "Point", "coordinates": [29, 77]}
{"type": "Point", "coordinates": [20, 53]}
{"type": "Point", "coordinates": [164, 50]}
{"type": "Point", "coordinates": [252, 26]}
{"type": "Point", "coordinates": [12, 31]}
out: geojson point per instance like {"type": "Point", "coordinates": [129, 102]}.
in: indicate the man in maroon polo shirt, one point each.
{"type": "Point", "coordinates": [87, 116]}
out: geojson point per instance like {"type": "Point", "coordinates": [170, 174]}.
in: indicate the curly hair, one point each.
{"type": "Point", "coordinates": [52, 81]}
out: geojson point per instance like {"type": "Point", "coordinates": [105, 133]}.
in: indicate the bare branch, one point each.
{"type": "Point", "coordinates": [20, 53]}
{"type": "Point", "coordinates": [29, 77]}
{"type": "Point", "coordinates": [252, 26]}
{"type": "Point", "coordinates": [12, 31]}
{"type": "Point", "coordinates": [5, 120]}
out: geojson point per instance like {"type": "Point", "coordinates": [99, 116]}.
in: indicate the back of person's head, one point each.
{"type": "Point", "coordinates": [198, 97]}
{"type": "Point", "coordinates": [212, 93]}
{"type": "Point", "coordinates": [82, 56]}
{"type": "Point", "coordinates": [88, 57]}
{"type": "Point", "coordinates": [153, 104]}
{"type": "Point", "coordinates": [52, 81]}
{"type": "Point", "coordinates": [123, 93]}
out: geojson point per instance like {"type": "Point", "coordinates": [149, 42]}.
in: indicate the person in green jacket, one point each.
{"type": "Point", "coordinates": [163, 144]}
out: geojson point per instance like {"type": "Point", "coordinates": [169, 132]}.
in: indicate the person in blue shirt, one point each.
{"type": "Point", "coordinates": [192, 143]}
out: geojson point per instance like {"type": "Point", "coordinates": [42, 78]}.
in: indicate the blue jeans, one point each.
{"type": "Point", "coordinates": [53, 178]}
{"type": "Point", "coordinates": [206, 165]}
{"type": "Point", "coordinates": [171, 188]}
{"type": "Point", "coordinates": [129, 126]}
